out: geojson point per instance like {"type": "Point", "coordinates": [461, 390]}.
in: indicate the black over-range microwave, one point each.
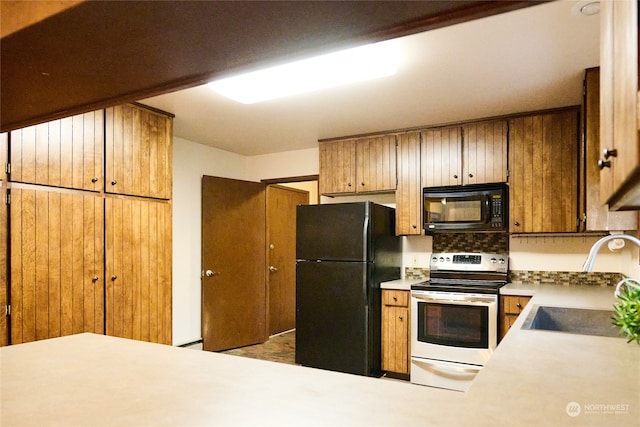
{"type": "Point", "coordinates": [460, 208]}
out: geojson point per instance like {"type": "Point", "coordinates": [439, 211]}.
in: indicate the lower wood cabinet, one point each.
{"type": "Point", "coordinates": [395, 331]}
{"type": "Point", "coordinates": [138, 269]}
{"type": "Point", "coordinates": [57, 283]}
{"type": "Point", "coordinates": [510, 309]}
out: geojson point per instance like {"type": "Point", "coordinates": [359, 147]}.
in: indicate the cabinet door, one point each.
{"type": "Point", "coordinates": [57, 287]}
{"type": "Point", "coordinates": [597, 216]}
{"type": "Point", "coordinates": [138, 269]}
{"type": "Point", "coordinates": [138, 152]}
{"type": "Point", "coordinates": [485, 152]}
{"type": "Point", "coordinates": [337, 167]}
{"type": "Point", "coordinates": [619, 104]}
{"type": "Point", "coordinates": [376, 164]}
{"type": "Point", "coordinates": [441, 157]}
{"type": "Point", "coordinates": [543, 179]}
{"type": "Point", "coordinates": [4, 230]}
{"type": "Point", "coordinates": [63, 153]}
{"type": "Point", "coordinates": [395, 339]}
{"type": "Point", "coordinates": [409, 191]}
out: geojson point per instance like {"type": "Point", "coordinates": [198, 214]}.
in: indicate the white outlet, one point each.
{"type": "Point", "coordinates": [414, 261]}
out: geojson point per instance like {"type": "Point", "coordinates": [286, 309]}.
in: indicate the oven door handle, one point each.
{"type": "Point", "coordinates": [474, 302]}
{"type": "Point", "coordinates": [443, 367]}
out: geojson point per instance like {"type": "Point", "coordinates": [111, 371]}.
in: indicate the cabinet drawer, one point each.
{"type": "Point", "coordinates": [395, 298]}
{"type": "Point", "coordinates": [514, 304]}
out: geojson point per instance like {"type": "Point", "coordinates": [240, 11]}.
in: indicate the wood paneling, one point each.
{"type": "Point", "coordinates": [63, 153]}
{"type": "Point", "coordinates": [337, 167]}
{"type": "Point", "coordinates": [543, 180]}
{"type": "Point", "coordinates": [485, 152]}
{"type": "Point", "coordinates": [57, 286]}
{"type": "Point", "coordinates": [441, 157]}
{"type": "Point", "coordinates": [138, 269]}
{"type": "Point", "coordinates": [409, 191]}
{"type": "Point", "coordinates": [138, 152]}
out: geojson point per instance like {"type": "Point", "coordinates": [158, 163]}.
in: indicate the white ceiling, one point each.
{"type": "Point", "coordinates": [529, 59]}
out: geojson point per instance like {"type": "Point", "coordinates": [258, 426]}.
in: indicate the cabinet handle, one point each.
{"type": "Point", "coordinates": [414, 226]}
{"type": "Point", "coordinates": [114, 277]}
{"type": "Point", "coordinates": [455, 176]}
{"type": "Point", "coordinates": [362, 183]}
{"type": "Point", "coordinates": [610, 153]}
{"type": "Point", "coordinates": [114, 182]}
{"type": "Point", "coordinates": [395, 298]}
{"type": "Point", "coordinates": [517, 224]}
{"type": "Point", "coordinates": [470, 175]}
{"type": "Point", "coordinates": [604, 164]}
{"type": "Point", "coordinates": [94, 179]}
{"type": "Point", "coordinates": [95, 279]}
{"type": "Point", "coordinates": [519, 305]}
{"type": "Point", "coordinates": [400, 317]}
{"type": "Point", "coordinates": [348, 184]}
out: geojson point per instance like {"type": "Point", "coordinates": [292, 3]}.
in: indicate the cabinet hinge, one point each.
{"type": "Point", "coordinates": [8, 310]}
{"type": "Point", "coordinates": [7, 168]}
{"type": "Point", "coordinates": [7, 198]}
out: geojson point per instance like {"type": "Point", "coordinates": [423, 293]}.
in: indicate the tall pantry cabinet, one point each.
{"type": "Point", "coordinates": [90, 244]}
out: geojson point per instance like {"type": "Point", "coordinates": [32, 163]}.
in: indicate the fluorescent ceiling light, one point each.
{"type": "Point", "coordinates": [334, 69]}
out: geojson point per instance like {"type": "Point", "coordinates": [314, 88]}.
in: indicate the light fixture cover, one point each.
{"type": "Point", "coordinates": [333, 69]}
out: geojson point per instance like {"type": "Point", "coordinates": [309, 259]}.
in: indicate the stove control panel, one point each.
{"type": "Point", "coordinates": [457, 261]}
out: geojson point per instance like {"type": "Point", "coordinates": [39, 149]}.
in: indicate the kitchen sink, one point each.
{"type": "Point", "coordinates": [572, 320]}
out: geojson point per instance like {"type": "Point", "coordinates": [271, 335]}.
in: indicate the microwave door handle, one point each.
{"type": "Point", "coordinates": [487, 208]}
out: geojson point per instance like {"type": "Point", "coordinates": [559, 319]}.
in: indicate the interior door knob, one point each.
{"type": "Point", "coordinates": [273, 269]}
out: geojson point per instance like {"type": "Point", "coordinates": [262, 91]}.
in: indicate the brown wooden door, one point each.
{"type": "Point", "coordinates": [376, 164]}
{"type": "Point", "coordinates": [281, 253]}
{"type": "Point", "coordinates": [234, 311]}
{"type": "Point", "coordinates": [138, 269]}
{"type": "Point", "coordinates": [543, 179]}
{"type": "Point", "coordinates": [63, 153]}
{"type": "Point", "coordinates": [395, 331]}
{"type": "Point", "coordinates": [337, 167]}
{"type": "Point", "coordinates": [4, 235]}
{"type": "Point", "coordinates": [138, 152]}
{"type": "Point", "coordinates": [485, 152]}
{"type": "Point", "coordinates": [441, 157]}
{"type": "Point", "coordinates": [57, 287]}
{"type": "Point", "coordinates": [409, 191]}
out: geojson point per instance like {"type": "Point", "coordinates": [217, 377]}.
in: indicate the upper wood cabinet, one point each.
{"type": "Point", "coordinates": [485, 152]}
{"type": "Point", "coordinates": [138, 152]}
{"type": "Point", "coordinates": [620, 177]}
{"type": "Point", "coordinates": [409, 191]}
{"type": "Point", "coordinates": [138, 269]}
{"type": "Point", "coordinates": [358, 165]}
{"type": "Point", "coordinates": [441, 156]}
{"type": "Point", "coordinates": [597, 216]}
{"type": "Point", "coordinates": [57, 283]}
{"type": "Point", "coordinates": [63, 153]}
{"type": "Point", "coordinates": [475, 153]}
{"type": "Point", "coordinates": [543, 179]}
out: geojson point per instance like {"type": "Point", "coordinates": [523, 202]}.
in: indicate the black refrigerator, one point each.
{"type": "Point", "coordinates": [343, 252]}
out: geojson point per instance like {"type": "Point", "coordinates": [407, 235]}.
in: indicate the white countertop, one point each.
{"type": "Point", "coordinates": [530, 380]}
{"type": "Point", "coordinates": [401, 284]}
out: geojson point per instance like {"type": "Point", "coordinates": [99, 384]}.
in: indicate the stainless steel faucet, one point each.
{"type": "Point", "coordinates": [588, 264]}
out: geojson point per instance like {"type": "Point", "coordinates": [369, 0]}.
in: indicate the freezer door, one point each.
{"type": "Point", "coordinates": [335, 327]}
{"type": "Point", "coordinates": [333, 232]}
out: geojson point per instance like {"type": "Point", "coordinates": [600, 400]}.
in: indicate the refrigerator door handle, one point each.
{"type": "Point", "coordinates": [365, 228]}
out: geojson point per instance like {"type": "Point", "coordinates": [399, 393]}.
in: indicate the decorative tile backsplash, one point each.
{"type": "Point", "coordinates": [471, 242]}
{"type": "Point", "coordinates": [416, 273]}
{"type": "Point", "coordinates": [565, 278]}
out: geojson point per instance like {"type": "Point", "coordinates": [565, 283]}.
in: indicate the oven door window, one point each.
{"type": "Point", "coordinates": [470, 209]}
{"type": "Point", "coordinates": [453, 325]}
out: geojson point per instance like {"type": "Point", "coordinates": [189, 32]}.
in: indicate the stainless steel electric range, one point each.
{"type": "Point", "coordinates": [454, 318]}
